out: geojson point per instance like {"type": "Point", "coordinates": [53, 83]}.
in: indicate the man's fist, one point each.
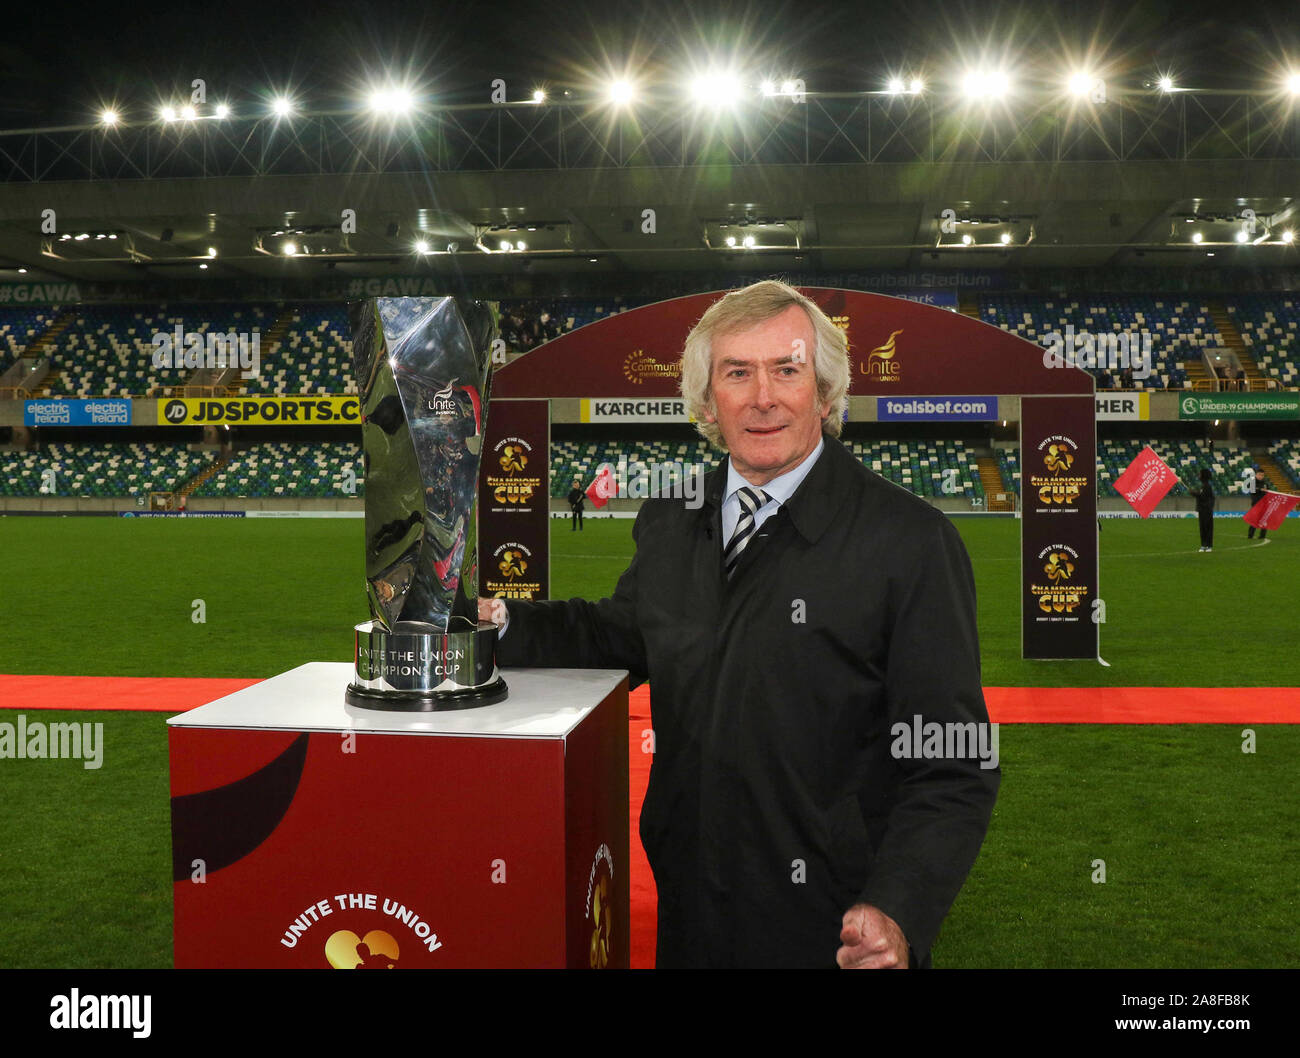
{"type": "Point", "coordinates": [493, 610]}
{"type": "Point", "coordinates": [871, 940]}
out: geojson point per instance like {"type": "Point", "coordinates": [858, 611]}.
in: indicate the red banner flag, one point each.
{"type": "Point", "coordinates": [604, 487]}
{"type": "Point", "coordinates": [1271, 510]}
{"type": "Point", "coordinates": [1146, 482]}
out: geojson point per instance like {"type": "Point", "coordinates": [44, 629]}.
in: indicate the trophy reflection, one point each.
{"type": "Point", "coordinates": [423, 367]}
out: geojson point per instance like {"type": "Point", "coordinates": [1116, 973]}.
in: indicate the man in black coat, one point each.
{"type": "Point", "coordinates": [1205, 508]}
{"type": "Point", "coordinates": [576, 504]}
{"type": "Point", "coordinates": [799, 628]}
{"type": "Point", "coordinates": [1261, 487]}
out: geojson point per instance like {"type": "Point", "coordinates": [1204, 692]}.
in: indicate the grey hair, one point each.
{"type": "Point", "coordinates": [739, 310]}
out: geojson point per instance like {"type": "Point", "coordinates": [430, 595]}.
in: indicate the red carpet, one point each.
{"type": "Point", "coordinates": [1143, 705]}
{"type": "Point", "coordinates": [155, 694]}
{"type": "Point", "coordinates": [1007, 705]}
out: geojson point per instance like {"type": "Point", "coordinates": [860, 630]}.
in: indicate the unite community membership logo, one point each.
{"type": "Point", "coordinates": [639, 365]}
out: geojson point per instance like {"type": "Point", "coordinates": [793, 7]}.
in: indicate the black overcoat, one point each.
{"type": "Point", "coordinates": [774, 802]}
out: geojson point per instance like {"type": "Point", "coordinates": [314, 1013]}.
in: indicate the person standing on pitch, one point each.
{"type": "Point", "coordinates": [1205, 509]}
{"type": "Point", "coordinates": [1261, 487]}
{"type": "Point", "coordinates": [576, 500]}
{"type": "Point", "coordinates": [800, 623]}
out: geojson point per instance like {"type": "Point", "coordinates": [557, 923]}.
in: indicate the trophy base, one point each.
{"type": "Point", "coordinates": [415, 670]}
{"type": "Point", "coordinates": [430, 702]}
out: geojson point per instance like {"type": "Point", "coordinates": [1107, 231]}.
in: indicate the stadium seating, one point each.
{"type": "Point", "coordinates": [582, 459]}
{"type": "Point", "coordinates": [100, 470]}
{"type": "Point", "coordinates": [298, 469]}
{"type": "Point", "coordinates": [18, 327]}
{"type": "Point", "coordinates": [919, 466]}
{"type": "Point", "coordinates": [107, 350]}
{"type": "Point", "coordinates": [1180, 329]}
{"type": "Point", "coordinates": [922, 466]}
{"type": "Point", "coordinates": [1185, 457]}
{"type": "Point", "coordinates": [1009, 468]}
{"type": "Point", "coordinates": [1286, 454]}
{"type": "Point", "coordinates": [523, 327]}
{"type": "Point", "coordinates": [314, 356]}
{"type": "Point", "coordinates": [303, 469]}
{"type": "Point", "coordinates": [1268, 324]}
{"type": "Point", "coordinates": [320, 469]}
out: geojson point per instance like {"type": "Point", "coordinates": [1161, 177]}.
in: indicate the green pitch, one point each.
{"type": "Point", "coordinates": [1196, 836]}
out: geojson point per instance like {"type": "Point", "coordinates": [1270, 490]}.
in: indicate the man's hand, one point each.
{"type": "Point", "coordinates": [493, 610]}
{"type": "Point", "coordinates": [871, 941]}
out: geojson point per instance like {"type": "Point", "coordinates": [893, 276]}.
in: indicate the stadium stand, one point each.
{"type": "Point", "coordinates": [1286, 457]}
{"type": "Point", "coordinates": [100, 470]}
{"type": "Point", "coordinates": [1185, 457]}
{"type": "Point", "coordinates": [319, 469]}
{"type": "Point", "coordinates": [525, 324]}
{"type": "Point", "coordinates": [19, 328]}
{"type": "Point", "coordinates": [1180, 330]}
{"type": "Point", "coordinates": [312, 356]}
{"type": "Point", "coordinates": [305, 348]}
{"type": "Point", "coordinates": [291, 469]}
{"type": "Point", "coordinates": [919, 466]}
{"type": "Point", "coordinates": [1268, 325]}
{"type": "Point", "coordinates": [582, 459]}
{"type": "Point", "coordinates": [107, 350]}
{"type": "Point", "coordinates": [1009, 468]}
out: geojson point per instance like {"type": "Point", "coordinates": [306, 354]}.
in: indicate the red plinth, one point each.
{"type": "Point", "coordinates": [308, 834]}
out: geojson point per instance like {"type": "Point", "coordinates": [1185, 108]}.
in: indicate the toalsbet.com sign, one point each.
{"type": "Point", "coordinates": [908, 409]}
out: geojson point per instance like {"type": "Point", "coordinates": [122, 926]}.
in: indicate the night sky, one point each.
{"type": "Point", "coordinates": [59, 62]}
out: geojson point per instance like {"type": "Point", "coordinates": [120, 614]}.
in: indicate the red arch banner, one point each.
{"type": "Point", "coordinates": [898, 347]}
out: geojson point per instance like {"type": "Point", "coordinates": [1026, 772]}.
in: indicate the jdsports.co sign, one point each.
{"type": "Point", "coordinates": [258, 411]}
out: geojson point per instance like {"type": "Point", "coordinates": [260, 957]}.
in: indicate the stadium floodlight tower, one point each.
{"type": "Point", "coordinates": [423, 366]}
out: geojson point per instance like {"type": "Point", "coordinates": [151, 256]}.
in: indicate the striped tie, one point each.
{"type": "Point", "coordinates": [750, 501]}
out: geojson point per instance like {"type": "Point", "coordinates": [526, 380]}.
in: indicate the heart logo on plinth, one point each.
{"type": "Point", "coordinates": [602, 913]}
{"type": "Point", "coordinates": [376, 951]}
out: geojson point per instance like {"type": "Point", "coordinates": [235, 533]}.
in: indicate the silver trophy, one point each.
{"type": "Point", "coordinates": [423, 366]}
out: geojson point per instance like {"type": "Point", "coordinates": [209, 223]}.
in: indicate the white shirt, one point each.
{"type": "Point", "coordinates": [780, 489]}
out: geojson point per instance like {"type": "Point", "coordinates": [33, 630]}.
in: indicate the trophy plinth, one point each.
{"type": "Point", "coordinates": [423, 369]}
{"type": "Point", "coordinates": [419, 669]}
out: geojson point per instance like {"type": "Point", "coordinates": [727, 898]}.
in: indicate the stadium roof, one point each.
{"type": "Point", "coordinates": [800, 218]}
{"type": "Point", "coordinates": [842, 173]}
